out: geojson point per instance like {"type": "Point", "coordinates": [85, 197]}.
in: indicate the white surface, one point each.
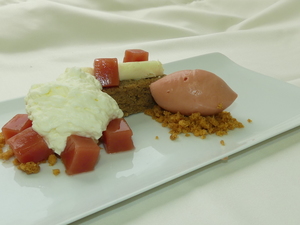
{"type": "Point", "coordinates": [258, 186]}
{"type": "Point", "coordinates": [118, 177]}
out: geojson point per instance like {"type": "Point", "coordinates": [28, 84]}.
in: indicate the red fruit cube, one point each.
{"type": "Point", "coordinates": [135, 55]}
{"type": "Point", "coordinates": [14, 126]}
{"type": "Point", "coordinates": [29, 146]}
{"type": "Point", "coordinates": [117, 136]}
{"type": "Point", "coordinates": [80, 155]}
{"type": "Point", "coordinates": [106, 70]}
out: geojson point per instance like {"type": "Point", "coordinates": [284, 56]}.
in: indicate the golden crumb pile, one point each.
{"type": "Point", "coordinates": [32, 167]}
{"type": "Point", "coordinates": [198, 125]}
{"type": "Point", "coordinates": [4, 155]}
{"type": "Point", "coordinates": [7, 154]}
{"type": "Point", "coordinates": [2, 142]}
{"type": "Point", "coordinates": [29, 167]}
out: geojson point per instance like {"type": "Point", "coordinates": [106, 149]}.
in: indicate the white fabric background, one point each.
{"type": "Point", "coordinates": [40, 38]}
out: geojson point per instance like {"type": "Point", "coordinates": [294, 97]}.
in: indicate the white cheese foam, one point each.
{"type": "Point", "coordinates": [136, 70]}
{"type": "Point", "coordinates": [73, 104]}
{"type": "Point", "coordinates": [140, 70]}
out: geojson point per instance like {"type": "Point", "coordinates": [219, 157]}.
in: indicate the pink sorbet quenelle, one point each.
{"type": "Point", "coordinates": [190, 91]}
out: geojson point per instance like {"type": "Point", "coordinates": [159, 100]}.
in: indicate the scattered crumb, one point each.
{"type": "Point", "coordinates": [43, 161]}
{"type": "Point", "coordinates": [173, 136]}
{"type": "Point", "coordinates": [249, 120]}
{"type": "Point", "coordinates": [222, 142]}
{"type": "Point", "coordinates": [199, 126]}
{"type": "Point", "coordinates": [1, 137]}
{"type": "Point", "coordinates": [29, 167]}
{"type": "Point", "coordinates": [16, 162]}
{"type": "Point", "coordinates": [56, 171]}
{"type": "Point", "coordinates": [156, 137]}
{"type": "Point", "coordinates": [2, 143]}
{"type": "Point", "coordinates": [7, 154]}
{"type": "Point", "coordinates": [220, 106]}
{"type": "Point", "coordinates": [225, 159]}
{"type": "Point", "coordinates": [52, 160]}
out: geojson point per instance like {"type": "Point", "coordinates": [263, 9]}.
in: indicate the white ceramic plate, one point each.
{"type": "Point", "coordinates": [46, 199]}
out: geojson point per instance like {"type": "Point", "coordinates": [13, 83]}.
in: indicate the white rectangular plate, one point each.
{"type": "Point", "coordinates": [46, 199]}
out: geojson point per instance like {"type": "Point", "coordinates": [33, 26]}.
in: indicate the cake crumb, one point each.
{"type": "Point", "coordinates": [249, 120]}
{"type": "Point", "coordinates": [56, 172]}
{"type": "Point", "coordinates": [52, 160]}
{"type": "Point", "coordinates": [29, 167]}
{"type": "Point", "coordinates": [225, 159]}
{"type": "Point", "coordinates": [199, 126]}
{"type": "Point", "coordinates": [2, 142]}
{"type": "Point", "coordinates": [7, 154]}
{"type": "Point", "coordinates": [220, 106]}
{"type": "Point", "coordinates": [1, 137]}
{"type": "Point", "coordinates": [173, 137]}
{"type": "Point", "coordinates": [222, 142]}
{"type": "Point", "coordinates": [16, 162]}
{"type": "Point", "coordinates": [156, 137]}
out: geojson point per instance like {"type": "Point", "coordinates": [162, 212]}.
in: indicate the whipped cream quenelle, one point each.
{"type": "Point", "coordinates": [73, 104]}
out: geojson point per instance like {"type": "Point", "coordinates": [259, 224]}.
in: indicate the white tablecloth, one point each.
{"type": "Point", "coordinates": [260, 185]}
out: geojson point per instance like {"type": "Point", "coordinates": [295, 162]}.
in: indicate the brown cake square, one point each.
{"type": "Point", "coordinates": [133, 96]}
